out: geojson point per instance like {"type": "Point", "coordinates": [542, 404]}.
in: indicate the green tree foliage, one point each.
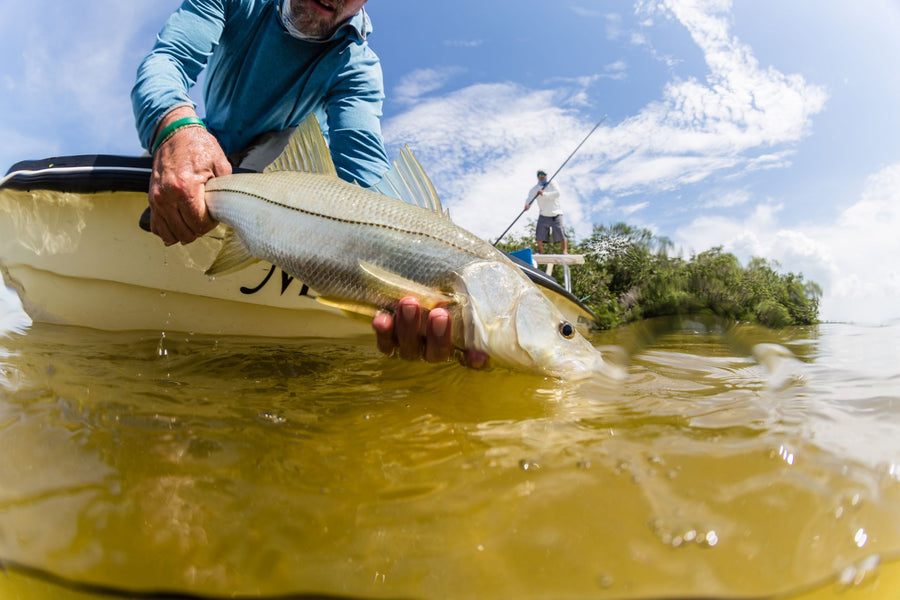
{"type": "Point", "coordinates": [628, 275]}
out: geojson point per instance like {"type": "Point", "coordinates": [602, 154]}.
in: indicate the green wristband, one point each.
{"type": "Point", "coordinates": [174, 126]}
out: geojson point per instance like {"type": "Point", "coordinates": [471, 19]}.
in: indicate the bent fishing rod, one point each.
{"type": "Point", "coordinates": [528, 205]}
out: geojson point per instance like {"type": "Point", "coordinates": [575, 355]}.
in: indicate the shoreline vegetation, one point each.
{"type": "Point", "coordinates": [628, 275]}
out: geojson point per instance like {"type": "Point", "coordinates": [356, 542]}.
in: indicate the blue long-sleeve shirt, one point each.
{"type": "Point", "coordinates": [259, 79]}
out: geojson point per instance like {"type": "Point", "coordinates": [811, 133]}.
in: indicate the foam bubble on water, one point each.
{"type": "Point", "coordinates": [680, 538]}
{"type": "Point", "coordinates": [605, 581]}
{"type": "Point", "coordinates": [272, 418]}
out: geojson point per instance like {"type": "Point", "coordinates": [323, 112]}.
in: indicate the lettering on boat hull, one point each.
{"type": "Point", "coordinates": [286, 279]}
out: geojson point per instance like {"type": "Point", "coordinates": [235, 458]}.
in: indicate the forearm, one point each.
{"type": "Point", "coordinates": [156, 95]}
{"type": "Point", "coordinates": [168, 72]}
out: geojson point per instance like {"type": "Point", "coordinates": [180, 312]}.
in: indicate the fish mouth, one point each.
{"type": "Point", "coordinates": [575, 368]}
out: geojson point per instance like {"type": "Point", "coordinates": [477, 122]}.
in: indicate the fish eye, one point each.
{"type": "Point", "coordinates": [567, 330]}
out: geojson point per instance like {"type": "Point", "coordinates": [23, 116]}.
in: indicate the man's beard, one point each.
{"type": "Point", "coordinates": [313, 24]}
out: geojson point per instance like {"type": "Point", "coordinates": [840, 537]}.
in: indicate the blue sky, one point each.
{"type": "Point", "coordinates": [766, 126]}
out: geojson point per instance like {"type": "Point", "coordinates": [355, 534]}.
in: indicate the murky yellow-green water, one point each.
{"type": "Point", "coordinates": [723, 467]}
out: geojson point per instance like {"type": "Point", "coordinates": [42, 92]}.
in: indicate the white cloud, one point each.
{"type": "Point", "coordinates": [584, 11]}
{"type": "Point", "coordinates": [422, 82]}
{"type": "Point", "coordinates": [463, 43]}
{"type": "Point", "coordinates": [731, 120]}
{"type": "Point", "coordinates": [853, 258]}
{"type": "Point", "coordinates": [724, 198]}
{"type": "Point", "coordinates": [613, 26]}
{"type": "Point", "coordinates": [740, 118]}
{"type": "Point", "coordinates": [633, 208]}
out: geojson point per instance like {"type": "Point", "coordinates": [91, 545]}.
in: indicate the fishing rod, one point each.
{"type": "Point", "coordinates": [528, 205]}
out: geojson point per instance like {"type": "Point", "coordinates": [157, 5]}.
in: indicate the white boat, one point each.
{"type": "Point", "coordinates": [72, 249]}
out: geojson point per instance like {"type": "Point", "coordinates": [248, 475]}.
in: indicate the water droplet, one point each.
{"type": "Point", "coordinates": [583, 464]}
{"type": "Point", "coordinates": [861, 538]}
{"type": "Point", "coordinates": [710, 539]}
{"type": "Point", "coordinates": [605, 580]}
{"type": "Point", "coordinates": [529, 465]}
{"type": "Point", "coordinates": [894, 471]}
{"type": "Point", "coordinates": [161, 346]}
{"type": "Point", "coordinates": [855, 575]}
{"type": "Point", "coordinates": [786, 455]}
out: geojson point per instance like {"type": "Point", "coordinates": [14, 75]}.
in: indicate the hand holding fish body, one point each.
{"type": "Point", "coordinates": [363, 251]}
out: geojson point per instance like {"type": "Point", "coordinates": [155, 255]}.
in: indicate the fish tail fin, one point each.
{"type": "Point", "coordinates": [234, 255]}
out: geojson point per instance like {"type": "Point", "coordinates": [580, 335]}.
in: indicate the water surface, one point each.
{"type": "Point", "coordinates": [734, 462]}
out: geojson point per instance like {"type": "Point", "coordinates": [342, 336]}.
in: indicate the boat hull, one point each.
{"type": "Point", "coordinates": [82, 259]}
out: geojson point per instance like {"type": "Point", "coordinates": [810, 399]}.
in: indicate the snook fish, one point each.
{"type": "Point", "coordinates": [362, 251]}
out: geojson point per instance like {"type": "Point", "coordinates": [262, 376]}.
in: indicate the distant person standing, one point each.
{"type": "Point", "coordinates": [550, 219]}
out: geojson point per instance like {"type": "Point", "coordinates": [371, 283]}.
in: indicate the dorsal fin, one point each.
{"type": "Point", "coordinates": [408, 182]}
{"type": "Point", "coordinates": [306, 151]}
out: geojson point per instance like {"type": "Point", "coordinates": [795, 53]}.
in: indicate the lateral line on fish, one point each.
{"type": "Point", "coordinates": [344, 220]}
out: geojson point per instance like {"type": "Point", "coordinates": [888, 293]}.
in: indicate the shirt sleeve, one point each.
{"type": "Point", "coordinates": [353, 117]}
{"type": "Point", "coordinates": [551, 192]}
{"type": "Point", "coordinates": [168, 72]}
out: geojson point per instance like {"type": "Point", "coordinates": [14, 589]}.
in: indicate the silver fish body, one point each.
{"type": "Point", "coordinates": [364, 251]}
{"type": "Point", "coordinates": [320, 228]}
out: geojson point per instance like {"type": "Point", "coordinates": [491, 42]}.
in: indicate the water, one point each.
{"type": "Point", "coordinates": [734, 462]}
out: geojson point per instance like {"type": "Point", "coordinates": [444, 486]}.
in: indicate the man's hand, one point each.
{"type": "Point", "coordinates": [415, 335]}
{"type": "Point", "coordinates": [181, 167]}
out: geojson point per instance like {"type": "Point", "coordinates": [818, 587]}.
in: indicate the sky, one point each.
{"type": "Point", "coordinates": [767, 127]}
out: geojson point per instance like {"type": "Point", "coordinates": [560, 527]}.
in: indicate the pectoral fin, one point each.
{"type": "Point", "coordinates": [397, 287]}
{"type": "Point", "coordinates": [359, 310]}
{"type": "Point", "coordinates": [233, 256]}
